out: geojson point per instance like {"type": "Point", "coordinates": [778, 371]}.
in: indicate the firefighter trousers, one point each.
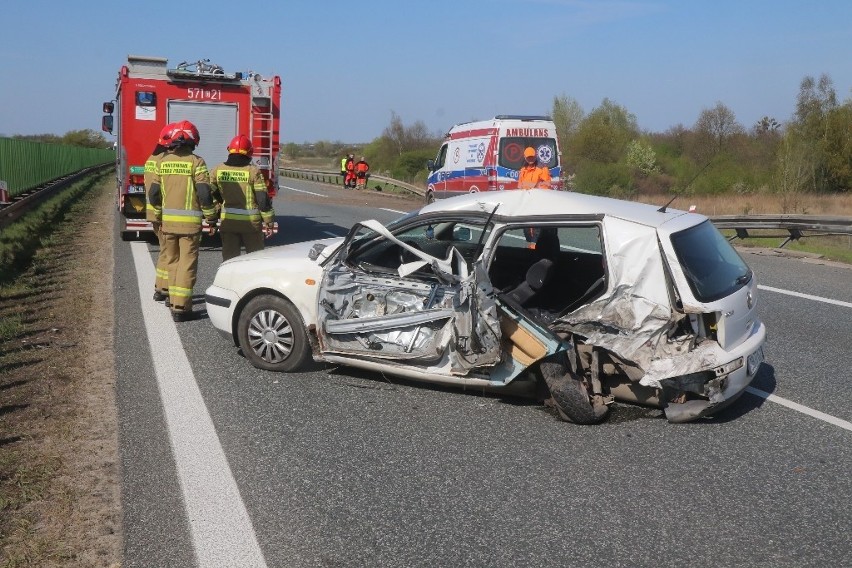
{"type": "Point", "coordinates": [161, 284]}
{"type": "Point", "coordinates": [182, 257]}
{"type": "Point", "coordinates": [252, 240]}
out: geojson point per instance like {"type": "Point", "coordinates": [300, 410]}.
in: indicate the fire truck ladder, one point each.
{"type": "Point", "coordinates": [261, 133]}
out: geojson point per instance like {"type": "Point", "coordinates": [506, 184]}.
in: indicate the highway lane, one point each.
{"type": "Point", "coordinates": [342, 468]}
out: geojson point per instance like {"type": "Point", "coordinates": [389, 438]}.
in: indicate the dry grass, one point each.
{"type": "Point", "coordinates": [761, 204]}
{"type": "Point", "coordinates": [59, 492]}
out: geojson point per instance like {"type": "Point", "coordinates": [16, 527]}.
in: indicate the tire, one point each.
{"type": "Point", "coordinates": [569, 394]}
{"type": "Point", "coordinates": [271, 334]}
{"type": "Point", "coordinates": [128, 236]}
{"type": "Point", "coordinates": [430, 197]}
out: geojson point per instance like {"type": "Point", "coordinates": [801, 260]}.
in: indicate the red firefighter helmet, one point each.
{"type": "Point", "coordinates": [240, 144]}
{"type": "Point", "coordinates": [184, 133]}
{"type": "Point", "coordinates": [166, 134]}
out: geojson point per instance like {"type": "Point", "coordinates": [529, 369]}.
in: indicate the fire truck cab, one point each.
{"type": "Point", "coordinates": [149, 95]}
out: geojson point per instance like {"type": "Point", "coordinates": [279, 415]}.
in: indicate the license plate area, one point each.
{"type": "Point", "coordinates": [754, 361]}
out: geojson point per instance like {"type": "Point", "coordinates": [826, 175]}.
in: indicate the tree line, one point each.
{"type": "Point", "coordinates": [84, 138]}
{"type": "Point", "coordinates": [604, 151]}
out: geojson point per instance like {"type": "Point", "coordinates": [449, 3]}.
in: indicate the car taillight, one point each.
{"type": "Point", "coordinates": [136, 179]}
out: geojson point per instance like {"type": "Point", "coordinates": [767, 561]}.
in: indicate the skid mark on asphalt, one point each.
{"type": "Point", "coordinates": [221, 529]}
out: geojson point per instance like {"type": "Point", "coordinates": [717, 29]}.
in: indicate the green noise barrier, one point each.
{"type": "Point", "coordinates": [25, 165]}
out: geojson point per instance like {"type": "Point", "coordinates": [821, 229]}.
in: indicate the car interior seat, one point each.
{"type": "Point", "coordinates": [537, 277]}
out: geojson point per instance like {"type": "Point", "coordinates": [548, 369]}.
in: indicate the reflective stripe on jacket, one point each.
{"type": "Point", "coordinates": [245, 199]}
{"type": "Point", "coordinates": [151, 213]}
{"type": "Point", "coordinates": [184, 192]}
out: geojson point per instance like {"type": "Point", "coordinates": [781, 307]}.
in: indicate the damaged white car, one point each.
{"type": "Point", "coordinates": [581, 299]}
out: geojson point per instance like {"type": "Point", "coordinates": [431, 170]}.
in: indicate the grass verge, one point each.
{"type": "Point", "coordinates": [59, 503]}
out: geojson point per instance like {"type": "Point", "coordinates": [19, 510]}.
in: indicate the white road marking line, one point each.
{"type": "Point", "coordinates": [393, 210]}
{"type": "Point", "coordinates": [801, 408]}
{"type": "Point", "coordinates": [222, 533]}
{"type": "Point", "coordinates": [805, 296]}
{"type": "Point", "coordinates": [303, 191]}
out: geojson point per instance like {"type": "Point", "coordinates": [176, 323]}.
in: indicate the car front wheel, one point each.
{"type": "Point", "coordinates": [271, 334]}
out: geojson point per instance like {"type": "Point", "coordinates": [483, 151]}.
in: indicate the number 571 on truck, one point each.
{"type": "Point", "coordinates": [149, 95]}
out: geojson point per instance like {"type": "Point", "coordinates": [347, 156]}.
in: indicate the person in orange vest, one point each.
{"type": "Point", "coordinates": [154, 214]}
{"type": "Point", "coordinates": [350, 172]}
{"type": "Point", "coordinates": [247, 216]}
{"type": "Point", "coordinates": [181, 187]}
{"type": "Point", "coordinates": [361, 169]}
{"type": "Point", "coordinates": [531, 175]}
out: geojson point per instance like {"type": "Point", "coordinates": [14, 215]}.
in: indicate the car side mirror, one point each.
{"type": "Point", "coordinates": [430, 165]}
{"type": "Point", "coordinates": [107, 123]}
{"type": "Point", "coordinates": [462, 234]}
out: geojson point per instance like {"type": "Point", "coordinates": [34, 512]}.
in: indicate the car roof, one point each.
{"type": "Point", "coordinates": [544, 202]}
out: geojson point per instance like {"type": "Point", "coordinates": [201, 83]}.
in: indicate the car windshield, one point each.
{"type": "Point", "coordinates": [512, 151]}
{"type": "Point", "coordinates": [711, 265]}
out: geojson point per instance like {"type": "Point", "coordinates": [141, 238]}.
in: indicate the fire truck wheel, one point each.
{"type": "Point", "coordinates": [271, 334]}
{"type": "Point", "coordinates": [127, 235]}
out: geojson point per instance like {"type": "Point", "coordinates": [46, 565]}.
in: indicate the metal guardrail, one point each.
{"type": "Point", "coordinates": [795, 225]}
{"type": "Point", "coordinates": [336, 179]}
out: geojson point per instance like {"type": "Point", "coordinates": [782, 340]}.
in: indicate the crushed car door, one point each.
{"type": "Point", "coordinates": [409, 298]}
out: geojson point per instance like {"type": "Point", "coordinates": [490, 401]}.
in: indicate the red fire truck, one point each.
{"type": "Point", "coordinates": [149, 95]}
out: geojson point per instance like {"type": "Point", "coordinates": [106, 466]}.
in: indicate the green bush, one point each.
{"type": "Point", "coordinates": [603, 179]}
{"type": "Point", "coordinates": [410, 164]}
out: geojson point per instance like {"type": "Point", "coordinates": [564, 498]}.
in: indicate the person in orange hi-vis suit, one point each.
{"type": "Point", "coordinates": [361, 172]}
{"type": "Point", "coordinates": [531, 175]}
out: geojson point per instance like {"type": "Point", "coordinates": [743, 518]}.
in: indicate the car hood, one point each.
{"type": "Point", "coordinates": [295, 250]}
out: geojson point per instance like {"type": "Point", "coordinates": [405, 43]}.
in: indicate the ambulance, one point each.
{"type": "Point", "coordinates": [486, 155]}
{"type": "Point", "coordinates": [150, 94]}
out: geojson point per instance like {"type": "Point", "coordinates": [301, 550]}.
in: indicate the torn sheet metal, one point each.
{"type": "Point", "coordinates": [476, 327]}
{"type": "Point", "coordinates": [634, 319]}
{"type": "Point", "coordinates": [403, 319]}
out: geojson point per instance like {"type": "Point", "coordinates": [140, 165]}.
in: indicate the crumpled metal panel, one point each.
{"type": "Point", "coordinates": [476, 327]}
{"type": "Point", "coordinates": [403, 319]}
{"type": "Point", "coordinates": [634, 319]}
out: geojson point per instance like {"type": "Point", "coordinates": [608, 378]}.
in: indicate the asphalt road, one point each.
{"type": "Point", "coordinates": [344, 468]}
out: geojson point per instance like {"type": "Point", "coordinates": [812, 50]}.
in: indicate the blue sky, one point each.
{"type": "Point", "coordinates": [346, 65]}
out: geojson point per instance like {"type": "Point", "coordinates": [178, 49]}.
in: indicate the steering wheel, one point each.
{"type": "Point", "coordinates": [406, 255]}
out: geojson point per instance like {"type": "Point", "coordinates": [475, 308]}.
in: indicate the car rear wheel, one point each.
{"type": "Point", "coordinates": [271, 334]}
{"type": "Point", "coordinates": [570, 395]}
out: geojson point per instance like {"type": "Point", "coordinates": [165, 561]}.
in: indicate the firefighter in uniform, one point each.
{"type": "Point", "coordinates": [181, 186]}
{"type": "Point", "coordinates": [154, 214]}
{"type": "Point", "coordinates": [531, 175]}
{"type": "Point", "coordinates": [361, 169]}
{"type": "Point", "coordinates": [247, 216]}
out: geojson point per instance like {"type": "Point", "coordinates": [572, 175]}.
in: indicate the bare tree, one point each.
{"type": "Point", "coordinates": [395, 133]}
{"type": "Point", "coordinates": [718, 125]}
{"type": "Point", "coordinates": [567, 115]}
